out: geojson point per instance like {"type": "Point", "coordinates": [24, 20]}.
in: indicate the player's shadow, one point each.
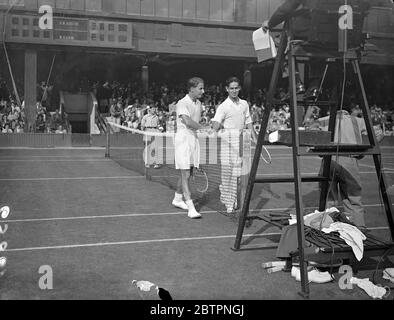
{"type": "Point", "coordinates": [257, 236]}
{"type": "Point", "coordinates": [265, 193]}
{"type": "Point", "coordinates": [310, 199]}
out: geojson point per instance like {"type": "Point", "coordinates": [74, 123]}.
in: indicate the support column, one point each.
{"type": "Point", "coordinates": [247, 82]}
{"type": "Point", "coordinates": [30, 88]}
{"type": "Point", "coordinates": [145, 77]}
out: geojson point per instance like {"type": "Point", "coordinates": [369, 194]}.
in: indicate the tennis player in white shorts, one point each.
{"type": "Point", "coordinates": [187, 148]}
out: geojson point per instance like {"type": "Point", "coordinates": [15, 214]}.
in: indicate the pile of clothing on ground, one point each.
{"type": "Point", "coordinates": [329, 221]}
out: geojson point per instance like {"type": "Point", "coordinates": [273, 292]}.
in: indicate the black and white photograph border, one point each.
{"type": "Point", "coordinates": [169, 151]}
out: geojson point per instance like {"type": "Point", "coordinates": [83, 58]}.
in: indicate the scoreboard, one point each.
{"type": "Point", "coordinates": [69, 31]}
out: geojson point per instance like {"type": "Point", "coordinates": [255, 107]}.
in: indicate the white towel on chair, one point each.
{"type": "Point", "coordinates": [352, 236]}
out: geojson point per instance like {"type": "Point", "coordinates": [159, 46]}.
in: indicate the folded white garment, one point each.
{"type": "Point", "coordinates": [271, 264]}
{"type": "Point", "coordinates": [308, 218]}
{"type": "Point", "coordinates": [371, 289]}
{"type": "Point", "coordinates": [352, 236]}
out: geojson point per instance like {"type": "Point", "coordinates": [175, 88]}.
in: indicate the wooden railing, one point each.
{"type": "Point", "coordinates": [96, 117]}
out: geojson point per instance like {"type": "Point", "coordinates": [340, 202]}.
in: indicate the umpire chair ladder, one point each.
{"type": "Point", "coordinates": [298, 150]}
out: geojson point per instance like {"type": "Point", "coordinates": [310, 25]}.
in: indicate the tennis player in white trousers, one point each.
{"type": "Point", "coordinates": [232, 116]}
{"type": "Point", "coordinates": [187, 148]}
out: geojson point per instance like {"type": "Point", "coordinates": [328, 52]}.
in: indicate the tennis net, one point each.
{"type": "Point", "coordinates": [151, 153]}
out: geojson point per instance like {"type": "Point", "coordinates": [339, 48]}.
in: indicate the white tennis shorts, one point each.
{"type": "Point", "coordinates": [187, 150]}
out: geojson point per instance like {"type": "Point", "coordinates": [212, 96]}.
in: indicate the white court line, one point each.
{"type": "Point", "coordinates": [373, 167]}
{"type": "Point", "coordinates": [49, 156]}
{"type": "Point", "coordinates": [74, 178]}
{"type": "Point", "coordinates": [127, 215]}
{"type": "Point", "coordinates": [315, 157]}
{"type": "Point", "coordinates": [131, 215]}
{"type": "Point", "coordinates": [101, 244]}
{"type": "Point", "coordinates": [143, 177]}
{"type": "Point", "coordinates": [309, 173]}
{"type": "Point", "coordinates": [57, 160]}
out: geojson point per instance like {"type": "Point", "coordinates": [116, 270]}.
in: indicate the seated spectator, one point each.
{"type": "Point", "coordinates": [4, 120]}
{"type": "Point", "coordinates": [18, 128]}
{"type": "Point", "coordinates": [13, 115]}
{"type": "Point", "coordinates": [3, 105]}
{"type": "Point", "coordinates": [137, 104]}
{"type": "Point", "coordinates": [205, 119]}
{"type": "Point", "coordinates": [136, 123]}
{"type": "Point", "coordinates": [15, 107]}
{"type": "Point", "coordinates": [356, 110]}
{"type": "Point", "coordinates": [13, 124]}
{"type": "Point", "coordinates": [6, 129]}
{"type": "Point", "coordinates": [40, 124]}
{"type": "Point", "coordinates": [389, 122]}
{"type": "Point", "coordinates": [376, 114]}
{"type": "Point", "coordinates": [6, 108]}
{"type": "Point", "coordinates": [172, 106]}
{"type": "Point", "coordinates": [57, 118]}
{"type": "Point", "coordinates": [171, 123]}
{"type": "Point", "coordinates": [61, 130]}
{"type": "Point", "coordinates": [116, 112]}
{"type": "Point", "coordinates": [162, 121]}
{"type": "Point", "coordinates": [127, 122]}
{"type": "Point", "coordinates": [128, 111]}
{"type": "Point", "coordinates": [41, 109]}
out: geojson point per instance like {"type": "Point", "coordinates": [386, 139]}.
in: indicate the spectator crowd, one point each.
{"type": "Point", "coordinates": [13, 117]}
{"type": "Point", "coordinates": [128, 103]}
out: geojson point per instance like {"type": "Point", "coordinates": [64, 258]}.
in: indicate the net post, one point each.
{"type": "Point", "coordinates": [107, 145]}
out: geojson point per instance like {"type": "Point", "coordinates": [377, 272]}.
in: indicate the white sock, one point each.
{"type": "Point", "coordinates": [178, 196]}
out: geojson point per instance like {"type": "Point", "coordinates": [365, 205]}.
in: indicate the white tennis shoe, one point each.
{"type": "Point", "coordinates": [3, 230]}
{"type": "Point", "coordinates": [180, 204]}
{"type": "Point", "coordinates": [4, 212]}
{"type": "Point", "coordinates": [230, 210]}
{"type": "Point", "coordinates": [3, 246]}
{"type": "Point", "coordinates": [3, 262]}
{"type": "Point", "coordinates": [314, 275]}
{"type": "Point", "coordinates": [193, 214]}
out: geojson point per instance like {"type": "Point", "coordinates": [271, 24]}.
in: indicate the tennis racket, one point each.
{"type": "Point", "coordinates": [200, 180]}
{"type": "Point", "coordinates": [267, 161]}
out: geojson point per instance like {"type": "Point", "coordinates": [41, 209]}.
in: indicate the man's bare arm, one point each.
{"type": "Point", "coordinates": [191, 124]}
{"type": "Point", "coordinates": [254, 134]}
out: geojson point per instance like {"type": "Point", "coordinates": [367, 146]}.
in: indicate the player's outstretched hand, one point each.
{"type": "Point", "coordinates": [211, 132]}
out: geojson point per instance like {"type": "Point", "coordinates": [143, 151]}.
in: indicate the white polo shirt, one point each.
{"type": "Point", "coordinates": [188, 107]}
{"type": "Point", "coordinates": [233, 115]}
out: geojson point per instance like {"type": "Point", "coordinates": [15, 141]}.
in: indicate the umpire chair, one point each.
{"type": "Point", "coordinates": [327, 42]}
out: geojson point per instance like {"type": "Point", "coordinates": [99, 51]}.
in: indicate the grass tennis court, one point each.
{"type": "Point", "coordinates": [100, 226]}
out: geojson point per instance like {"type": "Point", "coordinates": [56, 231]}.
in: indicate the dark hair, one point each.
{"type": "Point", "coordinates": [194, 82]}
{"type": "Point", "coordinates": [231, 80]}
